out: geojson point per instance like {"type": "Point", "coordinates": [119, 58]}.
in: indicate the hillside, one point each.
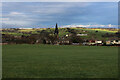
{"type": "Point", "coordinates": [92, 33]}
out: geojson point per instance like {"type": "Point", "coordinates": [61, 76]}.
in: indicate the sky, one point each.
{"type": "Point", "coordinates": [66, 14]}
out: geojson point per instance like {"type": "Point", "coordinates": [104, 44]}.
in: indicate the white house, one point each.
{"type": "Point", "coordinates": [98, 42]}
{"type": "Point", "coordinates": [113, 42]}
{"type": "Point", "coordinates": [81, 34]}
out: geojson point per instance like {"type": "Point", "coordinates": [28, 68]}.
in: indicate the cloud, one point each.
{"type": "Point", "coordinates": [16, 22]}
{"type": "Point", "coordinates": [65, 13]}
{"type": "Point", "coordinates": [93, 26]}
{"type": "Point", "coordinates": [4, 19]}
{"type": "Point", "coordinates": [56, 8]}
{"type": "Point", "coordinates": [49, 11]}
{"type": "Point", "coordinates": [16, 13]}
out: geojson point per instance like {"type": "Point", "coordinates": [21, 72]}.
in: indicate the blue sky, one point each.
{"type": "Point", "coordinates": [46, 14]}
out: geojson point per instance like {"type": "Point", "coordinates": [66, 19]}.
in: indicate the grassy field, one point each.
{"type": "Point", "coordinates": [52, 61]}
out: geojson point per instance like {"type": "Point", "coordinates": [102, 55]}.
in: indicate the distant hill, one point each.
{"type": "Point", "coordinates": [92, 33]}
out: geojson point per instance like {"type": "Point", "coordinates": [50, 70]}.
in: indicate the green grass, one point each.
{"type": "Point", "coordinates": [50, 61]}
{"type": "Point", "coordinates": [15, 34]}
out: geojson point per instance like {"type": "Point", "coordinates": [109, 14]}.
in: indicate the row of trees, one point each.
{"type": "Point", "coordinates": [48, 37]}
{"type": "Point", "coordinates": [43, 38]}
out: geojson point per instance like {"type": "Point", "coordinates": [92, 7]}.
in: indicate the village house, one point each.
{"type": "Point", "coordinates": [68, 35]}
{"type": "Point", "coordinates": [99, 42]}
{"type": "Point", "coordinates": [113, 42]}
{"type": "Point", "coordinates": [93, 42]}
{"type": "Point", "coordinates": [64, 40]}
{"type": "Point", "coordinates": [81, 35]}
{"type": "Point", "coordinates": [89, 42]}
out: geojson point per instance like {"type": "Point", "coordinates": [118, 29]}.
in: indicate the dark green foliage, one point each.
{"type": "Point", "coordinates": [76, 39]}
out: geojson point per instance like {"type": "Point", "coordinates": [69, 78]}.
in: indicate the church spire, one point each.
{"type": "Point", "coordinates": [56, 29]}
